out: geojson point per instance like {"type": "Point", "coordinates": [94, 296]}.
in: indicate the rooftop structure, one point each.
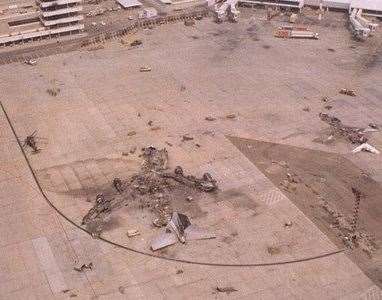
{"type": "Point", "coordinates": [369, 7]}
{"type": "Point", "coordinates": [55, 17]}
{"type": "Point", "coordinates": [129, 3]}
{"type": "Point", "coordinates": [60, 13]}
{"type": "Point", "coordinates": [338, 4]}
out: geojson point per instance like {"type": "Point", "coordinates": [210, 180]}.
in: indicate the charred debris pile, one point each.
{"type": "Point", "coordinates": [153, 187]}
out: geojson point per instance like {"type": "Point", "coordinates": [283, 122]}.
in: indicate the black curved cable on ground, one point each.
{"type": "Point", "coordinates": [147, 253]}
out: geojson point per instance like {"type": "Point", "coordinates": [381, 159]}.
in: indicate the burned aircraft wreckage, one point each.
{"type": "Point", "coordinates": [151, 188]}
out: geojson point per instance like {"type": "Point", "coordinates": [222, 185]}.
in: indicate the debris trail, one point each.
{"type": "Point", "coordinates": [357, 195]}
{"type": "Point", "coordinates": [347, 228]}
{"type": "Point", "coordinates": [353, 134]}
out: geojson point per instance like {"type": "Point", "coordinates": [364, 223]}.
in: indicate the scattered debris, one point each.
{"type": "Point", "coordinates": [351, 239]}
{"type": "Point", "coordinates": [189, 22]}
{"type": "Point", "coordinates": [118, 185]}
{"type": "Point", "coordinates": [30, 141]}
{"type": "Point", "coordinates": [84, 267]}
{"type": "Point", "coordinates": [136, 43]}
{"type": "Point", "coordinates": [373, 125]}
{"type": "Point", "coordinates": [228, 290]}
{"type": "Point", "coordinates": [290, 183]}
{"type": "Point", "coordinates": [367, 148]}
{"type": "Point", "coordinates": [30, 62]}
{"type": "Point", "coordinates": [348, 92]}
{"type": "Point", "coordinates": [292, 178]}
{"type": "Point", "coordinates": [358, 195]}
{"type": "Point", "coordinates": [272, 250]}
{"type": "Point", "coordinates": [155, 159]}
{"type": "Point", "coordinates": [145, 69]}
{"type": "Point", "coordinates": [160, 222]}
{"type": "Point", "coordinates": [131, 133]}
{"type": "Point", "coordinates": [231, 116]}
{"type": "Point", "coordinates": [325, 99]}
{"type": "Point", "coordinates": [333, 121]}
{"type": "Point", "coordinates": [96, 12]}
{"type": "Point", "coordinates": [199, 17]}
{"type": "Point", "coordinates": [353, 134]}
{"type": "Point", "coordinates": [148, 13]}
{"type": "Point", "coordinates": [209, 132]}
{"type": "Point", "coordinates": [281, 163]}
{"type": "Point", "coordinates": [132, 232]}
{"type": "Point", "coordinates": [186, 138]}
{"type": "Point", "coordinates": [209, 118]}
{"type": "Point", "coordinates": [53, 91]}
{"type": "Point", "coordinates": [272, 12]}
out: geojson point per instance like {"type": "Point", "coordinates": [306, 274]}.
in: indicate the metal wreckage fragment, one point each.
{"type": "Point", "coordinates": [95, 218]}
{"type": "Point", "coordinates": [179, 228]}
{"type": "Point", "coordinates": [205, 184]}
{"type": "Point", "coordinates": [151, 188]}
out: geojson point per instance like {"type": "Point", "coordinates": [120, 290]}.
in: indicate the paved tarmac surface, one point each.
{"type": "Point", "coordinates": [206, 70]}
